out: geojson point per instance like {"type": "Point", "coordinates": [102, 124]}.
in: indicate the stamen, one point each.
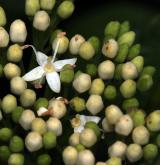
{"type": "Point", "coordinates": [64, 100]}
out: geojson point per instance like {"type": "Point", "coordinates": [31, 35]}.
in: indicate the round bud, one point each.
{"type": "Point", "coordinates": [140, 135]}
{"type": "Point", "coordinates": [118, 149]}
{"type": "Point", "coordinates": [5, 134]}
{"type": "Point", "coordinates": [106, 126]}
{"type": "Point", "coordinates": [4, 38]}
{"type": "Point", "coordinates": [110, 48]}
{"type": "Point", "coordinates": [18, 85]}
{"type": "Point", "coordinates": [128, 88]}
{"type": "Point", "coordinates": [95, 42]}
{"type": "Point", "coordinates": [74, 139]}
{"type": "Point", "coordinates": [91, 69]}
{"type": "Point", "coordinates": [134, 152]}
{"type": "Point", "coordinates": [47, 4]}
{"type": "Point", "coordinates": [80, 147]}
{"type": "Point", "coordinates": [33, 141]}
{"type": "Point", "coordinates": [31, 7]}
{"type": "Point", "coordinates": [138, 118]}
{"type": "Point", "coordinates": [106, 69]}
{"type": "Point", "coordinates": [16, 114]}
{"type": "Point", "coordinates": [86, 50]}
{"type": "Point", "coordinates": [55, 125]}
{"type": "Point", "coordinates": [114, 161]}
{"type": "Point", "coordinates": [14, 53]}
{"type": "Point", "coordinates": [82, 83]}
{"type": "Point", "coordinates": [44, 159]}
{"type": "Point", "coordinates": [39, 125]}
{"type": "Point", "coordinates": [16, 144]}
{"type": "Point", "coordinates": [16, 159]}
{"type": "Point", "coordinates": [49, 140]}
{"type": "Point", "coordinates": [26, 119]}
{"type": "Point", "coordinates": [27, 98]}
{"type": "Point", "coordinates": [124, 126]}
{"type": "Point", "coordinates": [88, 137]}
{"type": "Point", "coordinates": [113, 114]}
{"type": "Point", "coordinates": [70, 155]}
{"type": "Point", "coordinates": [9, 103]}
{"type": "Point", "coordinates": [86, 157]}
{"type": "Point", "coordinates": [11, 70]}
{"type": "Point", "coordinates": [139, 63]}
{"type": "Point", "coordinates": [65, 9]}
{"type": "Point", "coordinates": [41, 102]}
{"type": "Point", "coordinates": [77, 104]}
{"type": "Point", "coordinates": [41, 20]}
{"type": "Point", "coordinates": [110, 92]}
{"type": "Point", "coordinates": [4, 153]}
{"type": "Point", "coordinates": [18, 31]}
{"type": "Point", "coordinates": [150, 151]}
{"type": "Point", "coordinates": [129, 71]}
{"type": "Point", "coordinates": [3, 19]}
{"type": "Point", "coordinates": [153, 121]}
{"type": "Point", "coordinates": [75, 43]}
{"type": "Point", "coordinates": [94, 104]}
{"type": "Point", "coordinates": [97, 86]}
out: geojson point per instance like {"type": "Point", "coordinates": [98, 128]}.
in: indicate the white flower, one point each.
{"type": "Point", "coordinates": [79, 122]}
{"type": "Point", "coordinates": [48, 68]}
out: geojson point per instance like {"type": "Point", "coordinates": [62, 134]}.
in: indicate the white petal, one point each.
{"type": "Point", "coordinates": [60, 64]}
{"type": "Point", "coordinates": [79, 129]}
{"type": "Point", "coordinates": [54, 81]}
{"type": "Point", "coordinates": [95, 119]}
{"type": "Point", "coordinates": [82, 119]}
{"type": "Point", "coordinates": [34, 74]}
{"type": "Point", "coordinates": [41, 111]}
{"type": "Point", "coordinates": [41, 58]}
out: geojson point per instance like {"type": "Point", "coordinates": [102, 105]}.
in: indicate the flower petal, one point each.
{"type": "Point", "coordinates": [41, 110]}
{"type": "Point", "coordinates": [34, 74]}
{"type": "Point", "coordinates": [95, 119]}
{"type": "Point", "coordinates": [54, 81]}
{"type": "Point", "coordinates": [60, 64]}
{"type": "Point", "coordinates": [41, 58]}
{"type": "Point", "coordinates": [79, 129]}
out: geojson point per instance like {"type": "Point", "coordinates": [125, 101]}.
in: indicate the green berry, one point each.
{"type": "Point", "coordinates": [5, 134]}
{"type": "Point", "coordinates": [16, 159]}
{"type": "Point", "coordinates": [110, 92]}
{"type": "Point", "coordinates": [130, 104]}
{"type": "Point", "coordinates": [16, 114]}
{"type": "Point", "coordinates": [138, 118]}
{"type": "Point", "coordinates": [80, 147]}
{"type": "Point", "coordinates": [118, 72]}
{"type": "Point", "coordinates": [47, 4]}
{"type": "Point", "coordinates": [78, 104]}
{"type": "Point", "coordinates": [138, 62]}
{"type": "Point", "coordinates": [124, 27]}
{"type": "Point", "coordinates": [134, 51]}
{"type": "Point", "coordinates": [40, 102]}
{"type": "Point", "coordinates": [16, 144]}
{"type": "Point", "coordinates": [49, 140]}
{"type": "Point", "coordinates": [31, 7]}
{"type": "Point", "coordinates": [91, 69]}
{"type": "Point", "coordinates": [3, 19]}
{"type": "Point", "coordinates": [150, 70]}
{"type": "Point", "coordinates": [150, 151]}
{"type": "Point", "coordinates": [4, 153]}
{"type": "Point", "coordinates": [95, 42]}
{"type": "Point", "coordinates": [54, 35]}
{"type": "Point", "coordinates": [44, 159]}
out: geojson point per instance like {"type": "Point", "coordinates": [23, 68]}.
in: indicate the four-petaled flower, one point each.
{"type": "Point", "coordinates": [48, 68]}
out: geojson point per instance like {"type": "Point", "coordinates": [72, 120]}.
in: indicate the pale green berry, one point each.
{"type": "Point", "coordinates": [16, 159]}
{"type": "Point", "coordinates": [74, 139]}
{"type": "Point", "coordinates": [114, 161]}
{"type": "Point", "coordinates": [77, 104]}
{"type": "Point", "coordinates": [138, 62]}
{"type": "Point", "coordinates": [80, 147]}
{"type": "Point", "coordinates": [134, 51]}
{"type": "Point", "coordinates": [150, 151]}
{"type": "Point", "coordinates": [124, 27]}
{"type": "Point", "coordinates": [31, 7]}
{"type": "Point", "coordinates": [138, 118]}
{"type": "Point", "coordinates": [4, 38]}
{"type": "Point", "coordinates": [3, 19]}
{"type": "Point", "coordinates": [49, 140]}
{"type": "Point", "coordinates": [16, 144]}
{"type": "Point", "coordinates": [95, 42]}
{"type": "Point", "coordinates": [47, 4]}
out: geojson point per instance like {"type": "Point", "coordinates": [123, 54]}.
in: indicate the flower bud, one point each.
{"type": "Point", "coordinates": [4, 153]}
{"type": "Point", "coordinates": [124, 27]}
{"type": "Point", "coordinates": [131, 103]}
{"type": "Point", "coordinates": [91, 69]}
{"type": "Point", "coordinates": [122, 53]}
{"type": "Point", "coordinates": [75, 43]}
{"type": "Point", "coordinates": [16, 159]}
{"type": "Point", "coordinates": [47, 4]}
{"type": "Point", "coordinates": [80, 147]}
{"type": "Point", "coordinates": [39, 125]}
{"type": "Point", "coordinates": [3, 19]}
{"type": "Point", "coordinates": [58, 108]}
{"type": "Point", "coordinates": [82, 83]}
{"type": "Point", "coordinates": [18, 31]}
{"type": "Point", "coordinates": [88, 137]}
{"type": "Point", "coordinates": [150, 151]}
{"type": "Point", "coordinates": [11, 70]}
{"type": "Point", "coordinates": [112, 29]}
{"type": "Point", "coordinates": [41, 20]}
{"type": "Point", "coordinates": [134, 152]}
{"type": "Point", "coordinates": [128, 88]}
{"type": "Point", "coordinates": [134, 51]}
{"type": "Point", "coordinates": [106, 126]}
{"type": "Point", "coordinates": [18, 85]}
{"type": "Point", "coordinates": [26, 119]}
{"type": "Point", "coordinates": [63, 43]}
{"type": "Point", "coordinates": [55, 125]}
{"type": "Point", "coordinates": [86, 157]}
{"type": "Point", "coordinates": [49, 140]}
{"type": "Point", "coordinates": [44, 159]}
{"type": "Point", "coordinates": [74, 139]}
{"type": "Point", "coordinates": [33, 141]}
{"type": "Point", "coordinates": [100, 163]}
{"type": "Point", "coordinates": [110, 48]}
{"type": "Point", "coordinates": [27, 98]}
{"type": "Point", "coordinates": [110, 92]}
{"type": "Point", "coordinates": [127, 38]}
{"type": "Point", "coordinates": [78, 104]}
{"type": "Point", "coordinates": [86, 50]}
{"type": "Point", "coordinates": [153, 121]}
{"type": "Point", "coordinates": [94, 104]}
{"type": "Point", "coordinates": [113, 114]}
{"type": "Point", "coordinates": [41, 102]}
{"type": "Point", "coordinates": [4, 38]}
{"type": "Point", "coordinates": [9, 103]}
{"type": "Point", "coordinates": [129, 71]}
{"type": "Point", "coordinates": [124, 126]}
{"type": "Point", "coordinates": [31, 7]}
{"type": "Point", "coordinates": [95, 42]}
{"type": "Point", "coordinates": [106, 70]}
{"type": "Point", "coordinates": [16, 114]}
{"type": "Point", "coordinates": [118, 72]}
{"type": "Point", "coordinates": [144, 83]}
{"type": "Point", "coordinates": [97, 86]}
{"type": "Point", "coordinates": [5, 134]}
{"type": "Point", "coordinates": [138, 118]}
{"type": "Point", "coordinates": [138, 62]}
{"type": "Point", "coordinates": [150, 70]}
{"type": "Point", "coordinates": [140, 135]}
{"type": "Point", "coordinates": [70, 155]}
{"type": "Point", "coordinates": [65, 9]}
{"type": "Point", "coordinates": [117, 149]}
{"type": "Point", "coordinates": [114, 161]}
{"type": "Point", "coordinates": [16, 144]}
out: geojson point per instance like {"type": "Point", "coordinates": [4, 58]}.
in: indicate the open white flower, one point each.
{"type": "Point", "coordinates": [48, 68]}
{"type": "Point", "coordinates": [79, 122]}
